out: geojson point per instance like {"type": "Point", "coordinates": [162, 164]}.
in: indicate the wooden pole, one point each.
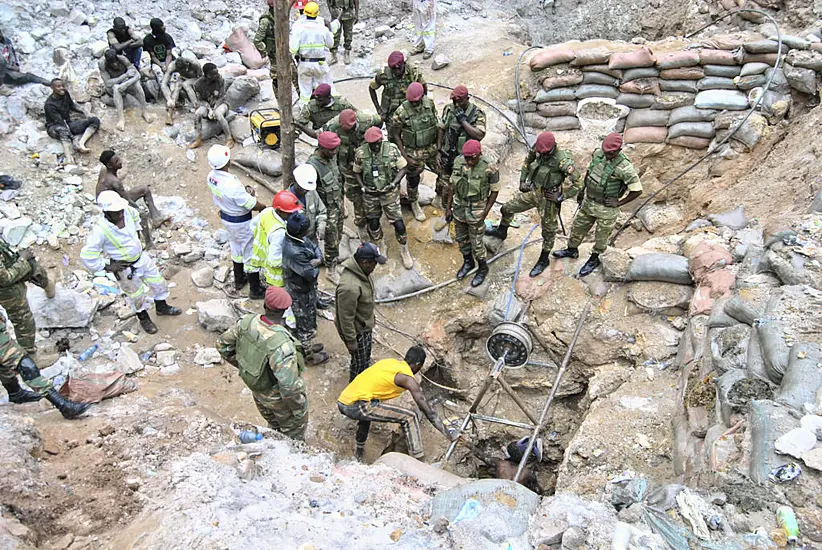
{"type": "Point", "coordinates": [285, 66]}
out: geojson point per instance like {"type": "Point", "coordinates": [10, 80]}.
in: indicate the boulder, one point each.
{"type": "Point", "coordinates": [660, 298]}
{"type": "Point", "coordinates": [208, 357]}
{"type": "Point", "coordinates": [216, 315]}
{"type": "Point", "coordinates": [440, 62]}
{"type": "Point", "coordinates": [615, 264]}
{"type": "Point", "coordinates": [128, 361]}
{"type": "Point", "coordinates": [203, 277]}
{"type": "Point", "coordinates": [68, 308]}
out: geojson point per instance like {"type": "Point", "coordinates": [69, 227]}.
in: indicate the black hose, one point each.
{"type": "Point", "coordinates": [716, 148]}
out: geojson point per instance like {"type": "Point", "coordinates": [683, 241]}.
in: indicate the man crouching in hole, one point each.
{"type": "Point", "coordinates": [506, 468]}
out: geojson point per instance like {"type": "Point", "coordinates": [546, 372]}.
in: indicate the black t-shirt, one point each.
{"type": "Point", "coordinates": [58, 110]}
{"type": "Point", "coordinates": [160, 46]}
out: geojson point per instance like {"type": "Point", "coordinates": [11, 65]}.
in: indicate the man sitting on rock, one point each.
{"type": "Point", "coordinates": [58, 109]}
{"type": "Point", "coordinates": [181, 74]}
{"type": "Point", "coordinates": [115, 235]}
{"type": "Point", "coordinates": [322, 107]}
{"type": "Point", "coordinates": [10, 67]}
{"type": "Point", "coordinates": [121, 77]}
{"type": "Point", "coordinates": [211, 89]}
{"type": "Point", "coordinates": [125, 41]}
{"type": "Point", "coordinates": [158, 43]}
{"type": "Point", "coordinates": [109, 181]}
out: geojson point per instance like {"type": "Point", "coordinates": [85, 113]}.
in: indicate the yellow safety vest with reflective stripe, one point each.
{"type": "Point", "coordinates": [266, 223]}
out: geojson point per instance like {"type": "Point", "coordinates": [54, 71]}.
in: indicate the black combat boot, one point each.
{"type": "Point", "coordinates": [592, 263]}
{"type": "Point", "coordinates": [146, 322]}
{"type": "Point", "coordinates": [499, 232]}
{"type": "Point", "coordinates": [480, 275]}
{"type": "Point", "coordinates": [239, 275]}
{"type": "Point", "coordinates": [69, 409]}
{"type": "Point", "coordinates": [543, 262]}
{"type": "Point", "coordinates": [467, 265]}
{"type": "Point", "coordinates": [18, 395]}
{"type": "Point", "coordinates": [164, 309]}
{"type": "Point", "coordinates": [567, 253]}
{"type": "Point", "coordinates": [255, 288]}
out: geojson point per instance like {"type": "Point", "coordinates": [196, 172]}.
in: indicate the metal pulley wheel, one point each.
{"type": "Point", "coordinates": [512, 338]}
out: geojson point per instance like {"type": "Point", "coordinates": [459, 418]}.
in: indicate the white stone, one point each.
{"type": "Point", "coordinates": [181, 249]}
{"type": "Point", "coordinates": [59, 9]}
{"type": "Point", "coordinates": [811, 422]}
{"type": "Point", "coordinates": [25, 43]}
{"type": "Point", "coordinates": [203, 277]}
{"type": "Point", "coordinates": [221, 236]}
{"type": "Point", "coordinates": [796, 442]}
{"type": "Point", "coordinates": [163, 346]}
{"type": "Point", "coordinates": [637, 403]}
{"type": "Point", "coordinates": [170, 370]}
{"type": "Point", "coordinates": [208, 357]}
{"type": "Point", "coordinates": [68, 308]}
{"type": "Point", "coordinates": [9, 210]}
{"type": "Point", "coordinates": [221, 273]}
{"type": "Point", "coordinates": [383, 30]}
{"type": "Point", "coordinates": [233, 58]}
{"type": "Point", "coordinates": [813, 459]}
{"type": "Point", "coordinates": [128, 361]}
{"type": "Point", "coordinates": [440, 61]}
{"type": "Point", "coordinates": [77, 17]}
{"type": "Point", "coordinates": [193, 30]}
{"type": "Point", "coordinates": [212, 254]}
{"type": "Point", "coordinates": [216, 315]}
{"type": "Point", "coordinates": [166, 358]}
{"type": "Point", "coordinates": [98, 48]}
{"type": "Point", "coordinates": [14, 231]}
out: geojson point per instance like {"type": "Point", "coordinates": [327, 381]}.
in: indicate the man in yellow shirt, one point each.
{"type": "Point", "coordinates": [364, 400]}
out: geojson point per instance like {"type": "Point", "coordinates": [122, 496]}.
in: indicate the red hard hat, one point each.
{"type": "Point", "coordinates": [286, 201]}
{"type": "Point", "coordinates": [545, 142]}
{"type": "Point", "coordinates": [328, 140]}
{"type": "Point", "coordinates": [348, 119]}
{"type": "Point", "coordinates": [300, 4]}
{"type": "Point", "coordinates": [472, 148]}
{"type": "Point", "coordinates": [612, 142]}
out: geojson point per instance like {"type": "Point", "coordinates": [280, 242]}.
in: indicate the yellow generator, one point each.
{"type": "Point", "coordinates": [265, 127]}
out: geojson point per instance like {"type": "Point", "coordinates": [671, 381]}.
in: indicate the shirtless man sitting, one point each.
{"type": "Point", "coordinates": [181, 74]}
{"type": "Point", "coordinates": [119, 77]}
{"type": "Point", "coordinates": [110, 181]}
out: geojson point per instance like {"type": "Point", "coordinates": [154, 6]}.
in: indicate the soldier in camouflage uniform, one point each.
{"type": "Point", "coordinates": [14, 360]}
{"type": "Point", "coordinates": [321, 108]}
{"type": "Point", "coordinates": [540, 186]}
{"type": "Point", "coordinates": [461, 121]}
{"type": "Point", "coordinates": [271, 364]}
{"type": "Point", "coordinates": [348, 12]}
{"type": "Point", "coordinates": [351, 126]}
{"type": "Point", "coordinates": [417, 132]}
{"type": "Point", "coordinates": [394, 80]}
{"type": "Point", "coordinates": [609, 176]}
{"type": "Point", "coordinates": [379, 168]}
{"type": "Point", "coordinates": [471, 192]}
{"type": "Point", "coordinates": [15, 270]}
{"type": "Point", "coordinates": [265, 43]}
{"type": "Point", "coordinates": [329, 188]}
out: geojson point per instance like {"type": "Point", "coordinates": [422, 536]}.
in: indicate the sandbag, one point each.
{"type": "Point", "coordinates": [641, 86]}
{"type": "Point", "coordinates": [721, 99]}
{"type": "Point", "coordinates": [716, 83]}
{"type": "Point", "coordinates": [642, 57]}
{"type": "Point", "coordinates": [753, 68]}
{"type": "Point", "coordinates": [557, 108]}
{"type": "Point", "coordinates": [526, 106]}
{"type": "Point", "coordinates": [212, 128]}
{"type": "Point", "coordinates": [572, 78]}
{"type": "Point", "coordinates": [751, 81]}
{"type": "Point", "coordinates": [557, 94]}
{"type": "Point", "coordinates": [555, 124]}
{"type": "Point", "coordinates": [713, 286]}
{"type": "Point", "coordinates": [793, 42]}
{"type": "Point", "coordinates": [707, 257]}
{"type": "Point", "coordinates": [241, 90]}
{"type": "Point", "coordinates": [773, 104]}
{"type": "Point", "coordinates": [800, 79]}
{"type": "Point", "coordinates": [645, 72]}
{"type": "Point", "coordinates": [534, 120]}
{"type": "Point", "coordinates": [740, 310]}
{"type": "Point", "coordinates": [769, 58]}
{"type": "Point", "coordinates": [676, 60]}
{"type": "Point", "coordinates": [646, 117]}
{"type": "Point", "coordinates": [764, 46]}
{"type": "Point", "coordinates": [768, 422]}
{"type": "Point", "coordinates": [406, 282]}
{"type": "Point", "coordinates": [803, 377]}
{"type": "Point", "coordinates": [772, 339]}
{"type": "Point", "coordinates": [594, 90]}
{"type": "Point", "coordinates": [751, 131]}
{"type": "Point", "coordinates": [592, 56]}
{"type": "Point", "coordinates": [779, 83]}
{"type": "Point", "coordinates": [238, 42]}
{"type": "Point", "coordinates": [691, 114]}
{"type": "Point", "coordinates": [94, 387]}
{"type": "Point", "coordinates": [678, 86]}
{"type": "Point", "coordinates": [690, 142]}
{"type": "Point", "coordinates": [725, 71]}
{"type": "Point", "coordinates": [687, 73]}
{"type": "Point", "coordinates": [635, 101]}
{"type": "Point", "coordinates": [693, 129]}
{"type": "Point", "coordinates": [604, 69]}
{"type": "Point", "coordinates": [673, 100]}
{"type": "Point", "coordinates": [724, 384]}
{"type": "Point", "coordinates": [599, 78]}
{"type": "Point", "coordinates": [550, 56]}
{"type": "Point", "coordinates": [722, 42]}
{"type": "Point", "coordinates": [755, 363]}
{"type": "Point", "coordinates": [666, 268]}
{"type": "Point", "coordinates": [726, 119]}
{"type": "Point", "coordinates": [646, 134]}
{"type": "Point", "coordinates": [716, 57]}
{"type": "Point", "coordinates": [266, 161]}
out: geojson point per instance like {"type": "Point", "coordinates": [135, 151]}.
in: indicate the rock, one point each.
{"type": "Point", "coordinates": [615, 264]}
{"type": "Point", "coordinates": [574, 537]}
{"type": "Point", "coordinates": [734, 219]}
{"type": "Point", "coordinates": [211, 254]}
{"type": "Point", "coordinates": [383, 30]}
{"type": "Point", "coordinates": [9, 210]}
{"type": "Point", "coordinates": [813, 459]}
{"type": "Point", "coordinates": [440, 62]}
{"type": "Point", "coordinates": [216, 315]}
{"type": "Point", "coordinates": [25, 42]}
{"type": "Point", "coordinates": [128, 361]}
{"type": "Point", "coordinates": [241, 90]}
{"type": "Point", "coordinates": [698, 224]}
{"type": "Point", "coordinates": [98, 48]}
{"type": "Point", "coordinates": [59, 9]}
{"type": "Point", "coordinates": [181, 249]}
{"type": "Point", "coordinates": [233, 58]}
{"type": "Point", "coordinates": [68, 308]}
{"type": "Point", "coordinates": [15, 230]}
{"type": "Point", "coordinates": [796, 442]}
{"type": "Point", "coordinates": [222, 273]}
{"type": "Point", "coordinates": [441, 525]}
{"type": "Point", "coordinates": [77, 17]}
{"type": "Point", "coordinates": [64, 542]}
{"type": "Point", "coordinates": [192, 256]}
{"type": "Point", "coordinates": [221, 236]}
{"type": "Point", "coordinates": [163, 346]}
{"type": "Point", "coordinates": [166, 358]}
{"type": "Point", "coordinates": [631, 514]}
{"type": "Point", "coordinates": [208, 357]}
{"type": "Point", "coordinates": [133, 483]}
{"type": "Point", "coordinates": [656, 216]}
{"type": "Point", "coordinates": [660, 298]}
{"type": "Point", "coordinates": [170, 370]}
{"type": "Point", "coordinates": [203, 277]}
{"type": "Point", "coordinates": [193, 30]}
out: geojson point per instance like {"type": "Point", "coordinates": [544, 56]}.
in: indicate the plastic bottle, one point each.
{"type": "Point", "coordinates": [786, 519]}
{"type": "Point", "coordinates": [88, 353]}
{"type": "Point", "coordinates": [249, 436]}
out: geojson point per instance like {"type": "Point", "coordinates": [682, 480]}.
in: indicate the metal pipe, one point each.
{"type": "Point", "coordinates": [504, 421]}
{"type": "Point", "coordinates": [538, 428]}
{"type": "Point", "coordinates": [510, 391]}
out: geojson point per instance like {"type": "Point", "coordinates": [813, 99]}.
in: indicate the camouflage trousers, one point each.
{"type": "Point", "coordinates": [354, 193]}
{"type": "Point", "coordinates": [13, 299]}
{"type": "Point", "coordinates": [422, 158]}
{"type": "Point", "coordinates": [592, 212]}
{"type": "Point", "coordinates": [548, 212]}
{"type": "Point", "coordinates": [304, 308]}
{"type": "Point", "coordinates": [442, 180]}
{"type": "Point", "coordinates": [272, 72]}
{"type": "Point", "coordinates": [347, 28]}
{"type": "Point", "coordinates": [333, 201]}
{"type": "Point", "coordinates": [375, 204]}
{"type": "Point", "coordinates": [469, 235]}
{"type": "Point", "coordinates": [11, 353]}
{"type": "Point", "coordinates": [290, 419]}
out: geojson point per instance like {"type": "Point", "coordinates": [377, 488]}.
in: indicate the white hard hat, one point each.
{"type": "Point", "coordinates": [110, 201]}
{"type": "Point", "coordinates": [219, 156]}
{"type": "Point", "coordinates": [306, 176]}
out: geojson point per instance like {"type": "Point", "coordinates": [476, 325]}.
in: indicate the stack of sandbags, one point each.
{"type": "Point", "coordinates": [708, 266]}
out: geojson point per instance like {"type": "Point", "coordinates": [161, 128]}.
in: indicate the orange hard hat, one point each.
{"type": "Point", "coordinates": [286, 201]}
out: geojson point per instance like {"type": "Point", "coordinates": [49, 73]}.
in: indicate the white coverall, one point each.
{"type": "Point", "coordinates": [310, 39]}
{"type": "Point", "coordinates": [124, 245]}
{"type": "Point", "coordinates": [233, 200]}
{"type": "Point", "coordinates": [424, 17]}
